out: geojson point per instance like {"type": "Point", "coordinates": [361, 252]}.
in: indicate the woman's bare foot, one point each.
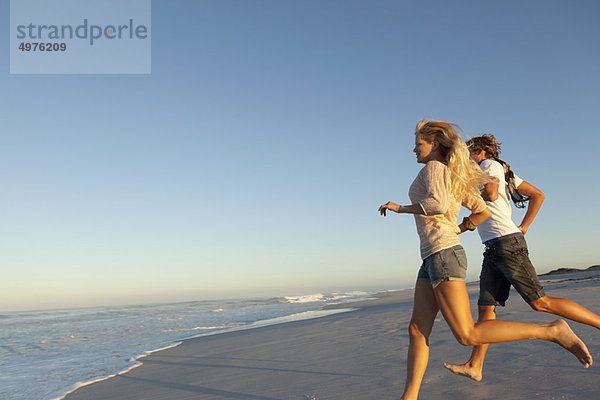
{"type": "Point", "coordinates": [465, 370]}
{"type": "Point", "coordinates": [569, 340]}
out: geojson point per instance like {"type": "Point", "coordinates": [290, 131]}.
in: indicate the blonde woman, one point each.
{"type": "Point", "coordinates": [448, 180]}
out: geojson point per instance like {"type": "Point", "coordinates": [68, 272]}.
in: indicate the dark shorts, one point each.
{"type": "Point", "coordinates": [505, 263]}
{"type": "Point", "coordinates": [445, 265]}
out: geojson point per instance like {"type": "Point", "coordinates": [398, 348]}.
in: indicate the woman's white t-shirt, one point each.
{"type": "Point", "coordinates": [500, 223]}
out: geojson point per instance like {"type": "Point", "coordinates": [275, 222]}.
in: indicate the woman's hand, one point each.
{"type": "Point", "coordinates": [476, 219]}
{"type": "Point", "coordinates": [388, 206]}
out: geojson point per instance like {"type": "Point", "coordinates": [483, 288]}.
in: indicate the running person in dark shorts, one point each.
{"type": "Point", "coordinates": [506, 258]}
{"type": "Point", "coordinates": [449, 180]}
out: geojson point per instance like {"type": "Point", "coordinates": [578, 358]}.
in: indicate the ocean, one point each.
{"type": "Point", "coordinates": [46, 354]}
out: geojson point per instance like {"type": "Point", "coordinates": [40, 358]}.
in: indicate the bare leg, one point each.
{"type": "Point", "coordinates": [553, 305]}
{"type": "Point", "coordinates": [566, 308]}
{"type": "Point", "coordinates": [453, 301]}
{"type": "Point", "coordinates": [474, 367]}
{"type": "Point", "coordinates": [425, 309]}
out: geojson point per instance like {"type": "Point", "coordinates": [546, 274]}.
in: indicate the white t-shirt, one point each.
{"type": "Point", "coordinates": [500, 223]}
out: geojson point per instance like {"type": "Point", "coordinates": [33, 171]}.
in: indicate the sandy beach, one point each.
{"type": "Point", "coordinates": [362, 355]}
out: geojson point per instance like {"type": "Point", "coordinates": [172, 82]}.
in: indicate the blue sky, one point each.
{"type": "Point", "coordinates": [252, 160]}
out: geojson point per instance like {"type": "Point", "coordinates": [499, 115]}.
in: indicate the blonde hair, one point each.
{"type": "Point", "coordinates": [465, 174]}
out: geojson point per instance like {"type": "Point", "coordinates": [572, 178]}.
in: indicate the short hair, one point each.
{"type": "Point", "coordinates": [487, 143]}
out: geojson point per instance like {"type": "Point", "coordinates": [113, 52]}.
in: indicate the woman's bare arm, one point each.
{"type": "Point", "coordinates": [476, 219]}
{"type": "Point", "coordinates": [412, 209]}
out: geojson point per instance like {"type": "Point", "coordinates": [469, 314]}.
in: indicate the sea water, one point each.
{"type": "Point", "coordinates": [46, 354]}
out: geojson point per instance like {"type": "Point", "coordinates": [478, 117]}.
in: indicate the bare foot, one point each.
{"type": "Point", "coordinates": [569, 340]}
{"type": "Point", "coordinates": [465, 370]}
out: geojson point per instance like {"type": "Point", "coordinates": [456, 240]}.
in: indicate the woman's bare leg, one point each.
{"type": "Point", "coordinates": [474, 367]}
{"type": "Point", "coordinates": [425, 309]}
{"type": "Point", "coordinates": [453, 301]}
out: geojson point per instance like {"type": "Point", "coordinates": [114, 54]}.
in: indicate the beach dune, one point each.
{"type": "Point", "coordinates": [361, 354]}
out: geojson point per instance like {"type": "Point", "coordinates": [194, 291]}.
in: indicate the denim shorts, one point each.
{"type": "Point", "coordinates": [445, 265]}
{"type": "Point", "coordinates": [505, 263]}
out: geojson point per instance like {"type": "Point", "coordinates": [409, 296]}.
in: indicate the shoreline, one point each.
{"type": "Point", "coordinates": [79, 385]}
{"type": "Point", "coordinates": [336, 353]}
{"type": "Point", "coordinates": [79, 346]}
{"type": "Point", "coordinates": [306, 315]}
{"type": "Point", "coordinates": [377, 299]}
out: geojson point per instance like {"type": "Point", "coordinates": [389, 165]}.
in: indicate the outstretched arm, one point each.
{"type": "Point", "coordinates": [535, 203]}
{"type": "Point", "coordinates": [412, 209]}
{"type": "Point", "coordinates": [433, 177]}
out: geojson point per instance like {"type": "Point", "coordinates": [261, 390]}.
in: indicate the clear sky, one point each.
{"type": "Point", "coordinates": [252, 160]}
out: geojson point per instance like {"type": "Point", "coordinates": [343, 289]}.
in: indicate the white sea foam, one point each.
{"type": "Point", "coordinates": [126, 370]}
{"type": "Point", "coordinates": [346, 296]}
{"type": "Point", "coordinates": [310, 298]}
{"type": "Point", "coordinates": [203, 328]}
